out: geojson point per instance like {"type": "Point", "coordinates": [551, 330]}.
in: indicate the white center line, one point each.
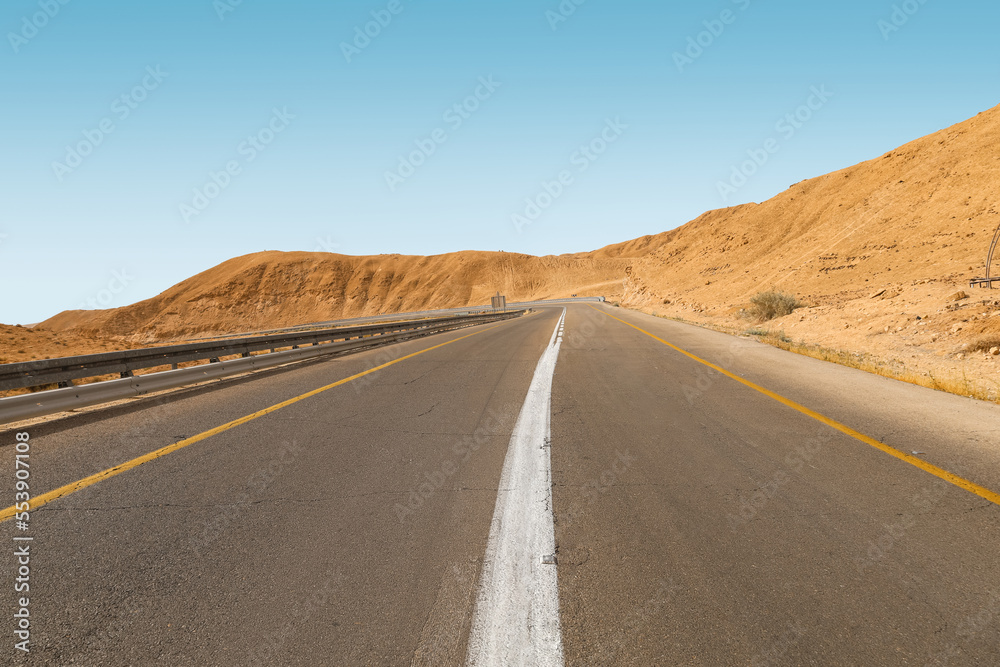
{"type": "Point", "coordinates": [516, 618]}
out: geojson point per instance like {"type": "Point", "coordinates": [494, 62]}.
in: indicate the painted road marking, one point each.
{"type": "Point", "coordinates": [73, 487]}
{"type": "Point", "coordinates": [941, 473]}
{"type": "Point", "coordinates": [516, 617]}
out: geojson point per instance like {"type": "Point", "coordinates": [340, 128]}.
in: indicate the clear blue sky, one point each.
{"type": "Point", "coordinates": [200, 78]}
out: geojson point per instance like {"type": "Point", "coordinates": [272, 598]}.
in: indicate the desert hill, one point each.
{"type": "Point", "coordinates": [272, 289]}
{"type": "Point", "coordinates": [874, 250]}
{"type": "Point", "coordinates": [925, 211]}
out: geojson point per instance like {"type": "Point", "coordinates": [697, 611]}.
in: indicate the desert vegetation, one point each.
{"type": "Point", "coordinates": [770, 304]}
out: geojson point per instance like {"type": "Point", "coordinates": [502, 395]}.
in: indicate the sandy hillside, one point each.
{"type": "Point", "coordinates": [19, 343]}
{"type": "Point", "coordinates": [926, 211]}
{"type": "Point", "coordinates": [869, 249]}
{"type": "Point", "coordinates": [881, 252]}
{"type": "Point", "coordinates": [272, 289]}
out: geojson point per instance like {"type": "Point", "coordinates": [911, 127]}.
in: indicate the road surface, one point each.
{"type": "Point", "coordinates": [696, 517]}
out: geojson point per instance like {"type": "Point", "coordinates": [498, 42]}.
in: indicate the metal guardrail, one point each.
{"type": "Point", "coordinates": [358, 321]}
{"type": "Point", "coordinates": [36, 373]}
{"type": "Point", "coordinates": [66, 369]}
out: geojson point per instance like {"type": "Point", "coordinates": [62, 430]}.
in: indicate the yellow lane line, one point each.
{"type": "Point", "coordinates": [951, 478]}
{"type": "Point", "coordinates": [46, 498]}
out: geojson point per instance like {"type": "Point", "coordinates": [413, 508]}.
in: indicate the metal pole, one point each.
{"type": "Point", "coordinates": [989, 257]}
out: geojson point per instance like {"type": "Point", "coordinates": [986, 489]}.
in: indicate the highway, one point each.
{"type": "Point", "coordinates": [707, 500]}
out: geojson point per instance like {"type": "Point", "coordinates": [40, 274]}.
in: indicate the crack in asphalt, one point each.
{"type": "Point", "coordinates": [422, 375]}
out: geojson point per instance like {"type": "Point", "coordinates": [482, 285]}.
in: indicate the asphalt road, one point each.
{"type": "Point", "coordinates": [697, 520]}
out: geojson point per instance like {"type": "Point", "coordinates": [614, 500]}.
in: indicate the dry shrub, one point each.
{"type": "Point", "coordinates": [985, 343]}
{"type": "Point", "coordinates": [772, 303]}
